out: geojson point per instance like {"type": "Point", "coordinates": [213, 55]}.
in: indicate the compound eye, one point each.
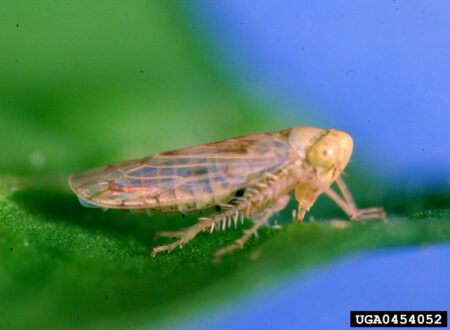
{"type": "Point", "coordinates": [327, 152]}
{"type": "Point", "coordinates": [323, 154]}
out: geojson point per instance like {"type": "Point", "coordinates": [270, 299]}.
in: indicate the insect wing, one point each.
{"type": "Point", "coordinates": [183, 176]}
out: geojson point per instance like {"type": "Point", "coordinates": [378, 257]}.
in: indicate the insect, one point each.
{"type": "Point", "coordinates": [251, 176]}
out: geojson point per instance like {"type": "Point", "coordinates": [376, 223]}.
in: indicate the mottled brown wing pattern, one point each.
{"type": "Point", "coordinates": [184, 180]}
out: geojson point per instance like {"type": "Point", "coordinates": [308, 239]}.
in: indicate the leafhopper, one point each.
{"type": "Point", "coordinates": [250, 176]}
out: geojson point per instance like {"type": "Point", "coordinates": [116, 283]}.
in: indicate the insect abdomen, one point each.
{"type": "Point", "coordinates": [189, 199]}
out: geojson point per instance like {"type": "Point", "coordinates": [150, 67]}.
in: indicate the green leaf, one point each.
{"type": "Point", "coordinates": [86, 84]}
{"type": "Point", "coordinates": [66, 265]}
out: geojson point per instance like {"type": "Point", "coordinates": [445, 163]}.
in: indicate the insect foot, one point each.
{"type": "Point", "coordinates": [168, 247]}
{"type": "Point", "coordinates": [370, 213]}
{"type": "Point", "coordinates": [184, 237]}
{"type": "Point", "coordinates": [347, 204]}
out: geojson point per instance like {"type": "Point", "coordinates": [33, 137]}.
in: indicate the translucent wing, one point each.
{"type": "Point", "coordinates": [195, 177]}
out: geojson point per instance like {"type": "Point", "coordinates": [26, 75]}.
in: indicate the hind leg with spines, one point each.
{"type": "Point", "coordinates": [230, 211]}
{"type": "Point", "coordinates": [265, 216]}
{"type": "Point", "coordinates": [208, 223]}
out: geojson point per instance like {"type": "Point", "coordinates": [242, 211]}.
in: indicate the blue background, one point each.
{"type": "Point", "coordinates": [379, 70]}
{"type": "Point", "coordinates": [404, 279]}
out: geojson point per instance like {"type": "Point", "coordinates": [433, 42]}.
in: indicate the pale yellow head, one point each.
{"type": "Point", "coordinates": [324, 150]}
{"type": "Point", "coordinates": [324, 155]}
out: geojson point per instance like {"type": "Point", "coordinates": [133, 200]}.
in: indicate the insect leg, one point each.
{"type": "Point", "coordinates": [248, 233]}
{"type": "Point", "coordinates": [184, 237]}
{"type": "Point", "coordinates": [280, 204]}
{"type": "Point", "coordinates": [375, 212]}
{"type": "Point", "coordinates": [169, 234]}
{"type": "Point", "coordinates": [349, 206]}
{"type": "Point", "coordinates": [345, 192]}
{"type": "Point", "coordinates": [189, 233]}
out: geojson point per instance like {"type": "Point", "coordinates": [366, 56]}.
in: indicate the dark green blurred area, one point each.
{"type": "Point", "coordinates": [83, 84]}
{"type": "Point", "coordinates": [87, 83]}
